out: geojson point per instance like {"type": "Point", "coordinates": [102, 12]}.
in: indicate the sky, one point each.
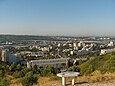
{"type": "Point", "coordinates": [58, 17]}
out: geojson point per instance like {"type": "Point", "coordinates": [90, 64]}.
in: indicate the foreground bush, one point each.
{"type": "Point", "coordinates": [74, 68]}
{"type": "Point", "coordinates": [49, 71]}
{"type": "Point", "coordinates": [4, 82]}
{"type": "Point", "coordinates": [29, 79]}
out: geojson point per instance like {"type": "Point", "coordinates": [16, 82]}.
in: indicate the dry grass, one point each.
{"type": "Point", "coordinates": [97, 76]}
{"type": "Point", "coordinates": [14, 82]}
{"type": "Point", "coordinates": [48, 81]}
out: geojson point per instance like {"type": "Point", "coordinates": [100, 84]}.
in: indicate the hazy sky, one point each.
{"type": "Point", "coordinates": [58, 17]}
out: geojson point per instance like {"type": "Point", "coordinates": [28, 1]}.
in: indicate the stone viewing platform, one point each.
{"type": "Point", "coordinates": [73, 75]}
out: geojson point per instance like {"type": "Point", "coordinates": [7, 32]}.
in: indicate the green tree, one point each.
{"type": "Point", "coordinates": [48, 71]}
{"type": "Point", "coordinates": [74, 68]}
{"type": "Point", "coordinates": [25, 70]}
{"type": "Point", "coordinates": [29, 79]}
{"type": "Point", "coordinates": [12, 67]}
{"type": "Point", "coordinates": [35, 69]}
{"type": "Point", "coordinates": [1, 73]}
{"type": "Point", "coordinates": [18, 74]}
{"type": "Point", "coordinates": [18, 67]}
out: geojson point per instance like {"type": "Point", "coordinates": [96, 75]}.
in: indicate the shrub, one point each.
{"type": "Point", "coordinates": [1, 73]}
{"type": "Point", "coordinates": [18, 74]}
{"type": "Point", "coordinates": [89, 70]}
{"type": "Point", "coordinates": [35, 69]}
{"type": "Point", "coordinates": [25, 70]}
{"type": "Point", "coordinates": [29, 79]}
{"type": "Point", "coordinates": [19, 67]}
{"type": "Point", "coordinates": [4, 82]}
{"type": "Point", "coordinates": [48, 71]}
{"type": "Point", "coordinates": [74, 69]}
{"type": "Point", "coordinates": [12, 67]}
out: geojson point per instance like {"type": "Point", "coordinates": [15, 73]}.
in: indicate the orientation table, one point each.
{"type": "Point", "coordinates": [73, 75]}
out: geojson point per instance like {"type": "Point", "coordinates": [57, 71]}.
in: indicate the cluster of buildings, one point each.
{"type": "Point", "coordinates": [82, 48]}
{"type": "Point", "coordinates": [62, 51]}
{"type": "Point", "coordinates": [105, 51]}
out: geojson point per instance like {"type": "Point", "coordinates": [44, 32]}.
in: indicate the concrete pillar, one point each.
{"type": "Point", "coordinates": [73, 80]}
{"type": "Point", "coordinates": [28, 65]}
{"type": "Point", "coordinates": [63, 81]}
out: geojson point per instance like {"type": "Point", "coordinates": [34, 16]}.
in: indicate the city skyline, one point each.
{"type": "Point", "coordinates": [58, 17]}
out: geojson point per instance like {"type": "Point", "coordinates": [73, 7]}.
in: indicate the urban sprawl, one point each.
{"type": "Point", "coordinates": [56, 53]}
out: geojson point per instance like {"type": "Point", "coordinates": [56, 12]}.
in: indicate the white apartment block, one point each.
{"type": "Point", "coordinates": [105, 51]}
{"type": "Point", "coordinates": [49, 62]}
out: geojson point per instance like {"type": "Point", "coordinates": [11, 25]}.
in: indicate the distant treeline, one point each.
{"type": "Point", "coordinates": [35, 37]}
{"type": "Point", "coordinates": [24, 37]}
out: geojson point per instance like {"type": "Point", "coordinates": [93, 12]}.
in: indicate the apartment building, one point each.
{"type": "Point", "coordinates": [63, 62]}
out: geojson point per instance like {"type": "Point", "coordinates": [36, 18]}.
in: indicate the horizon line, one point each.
{"type": "Point", "coordinates": [57, 35]}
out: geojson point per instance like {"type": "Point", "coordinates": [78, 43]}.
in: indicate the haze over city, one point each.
{"type": "Point", "coordinates": [58, 17]}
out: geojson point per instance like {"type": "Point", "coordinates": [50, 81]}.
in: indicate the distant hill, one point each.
{"type": "Point", "coordinates": [35, 37]}
{"type": "Point", "coordinates": [24, 37]}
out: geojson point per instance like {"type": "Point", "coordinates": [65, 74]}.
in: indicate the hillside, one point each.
{"type": "Point", "coordinates": [105, 63]}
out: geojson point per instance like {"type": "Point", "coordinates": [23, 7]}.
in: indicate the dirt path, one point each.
{"type": "Point", "coordinates": [96, 84]}
{"type": "Point", "coordinates": [89, 84]}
